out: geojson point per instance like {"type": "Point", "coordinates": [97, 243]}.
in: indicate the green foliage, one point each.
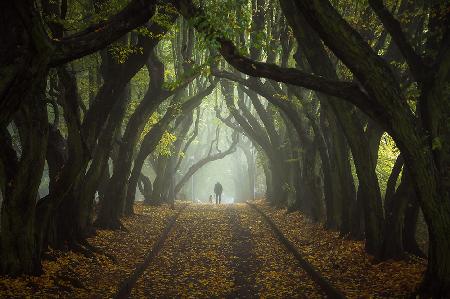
{"type": "Point", "coordinates": [121, 52]}
{"type": "Point", "coordinates": [232, 24]}
{"type": "Point", "coordinates": [154, 118]}
{"type": "Point", "coordinates": [163, 15]}
{"type": "Point", "coordinates": [164, 147]}
{"type": "Point", "coordinates": [387, 154]}
{"type": "Point", "coordinates": [261, 159]}
{"type": "Point", "coordinates": [437, 143]}
{"type": "Point", "coordinates": [288, 188]}
{"type": "Point", "coordinates": [281, 96]}
{"type": "Point", "coordinates": [82, 14]}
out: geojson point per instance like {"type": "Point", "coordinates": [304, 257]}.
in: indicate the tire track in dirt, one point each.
{"type": "Point", "coordinates": [127, 285]}
{"type": "Point", "coordinates": [330, 290]}
{"type": "Point", "coordinates": [195, 260]}
{"type": "Point", "coordinates": [243, 260]}
{"type": "Point", "coordinates": [279, 274]}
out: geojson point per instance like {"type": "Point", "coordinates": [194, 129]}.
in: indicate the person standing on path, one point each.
{"type": "Point", "coordinates": [218, 191]}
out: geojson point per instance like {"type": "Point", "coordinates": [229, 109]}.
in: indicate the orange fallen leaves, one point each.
{"type": "Point", "coordinates": [344, 262]}
{"type": "Point", "coordinates": [279, 275]}
{"type": "Point", "coordinates": [194, 261]}
{"type": "Point", "coordinates": [197, 260]}
{"type": "Point", "coordinates": [200, 260]}
{"type": "Point", "coordinates": [73, 275]}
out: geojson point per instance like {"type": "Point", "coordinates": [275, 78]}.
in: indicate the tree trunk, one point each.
{"type": "Point", "coordinates": [357, 223]}
{"type": "Point", "coordinates": [145, 186]}
{"type": "Point", "coordinates": [312, 196]}
{"type": "Point", "coordinates": [436, 210]}
{"type": "Point", "coordinates": [117, 189]}
{"type": "Point", "coordinates": [102, 186]}
{"type": "Point", "coordinates": [246, 149]}
{"type": "Point", "coordinates": [110, 210]}
{"type": "Point", "coordinates": [149, 143]}
{"type": "Point", "coordinates": [66, 176]}
{"type": "Point", "coordinates": [20, 252]}
{"type": "Point", "coordinates": [182, 126]}
{"type": "Point", "coordinates": [268, 176]}
{"type": "Point", "coordinates": [348, 198]}
{"type": "Point", "coordinates": [158, 183]}
{"type": "Point", "coordinates": [326, 144]}
{"type": "Point", "coordinates": [395, 208]}
{"type": "Point", "coordinates": [410, 226]}
{"type": "Point", "coordinates": [280, 184]}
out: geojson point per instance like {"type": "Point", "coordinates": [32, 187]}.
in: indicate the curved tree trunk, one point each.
{"type": "Point", "coordinates": [149, 143]}
{"type": "Point", "coordinates": [67, 175]}
{"type": "Point", "coordinates": [145, 186]}
{"type": "Point", "coordinates": [20, 253]}
{"type": "Point", "coordinates": [152, 138]}
{"type": "Point", "coordinates": [109, 211]}
{"type": "Point", "coordinates": [395, 213]}
{"type": "Point", "coordinates": [117, 189]}
{"type": "Point", "coordinates": [410, 226]}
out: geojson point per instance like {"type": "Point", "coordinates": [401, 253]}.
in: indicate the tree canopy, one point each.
{"type": "Point", "coordinates": [339, 109]}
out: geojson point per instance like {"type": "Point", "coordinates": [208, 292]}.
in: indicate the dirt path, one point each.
{"type": "Point", "coordinates": [243, 261]}
{"type": "Point", "coordinates": [223, 251]}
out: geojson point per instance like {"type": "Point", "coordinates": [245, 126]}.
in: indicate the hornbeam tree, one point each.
{"type": "Point", "coordinates": [420, 135]}
{"type": "Point", "coordinates": [24, 72]}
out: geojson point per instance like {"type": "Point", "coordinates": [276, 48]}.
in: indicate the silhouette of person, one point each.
{"type": "Point", "coordinates": [210, 199]}
{"type": "Point", "coordinates": [218, 191]}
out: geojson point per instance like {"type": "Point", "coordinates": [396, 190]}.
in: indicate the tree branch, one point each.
{"type": "Point", "coordinates": [98, 36]}
{"type": "Point", "coordinates": [227, 121]}
{"type": "Point", "coordinates": [350, 91]}
{"type": "Point", "coordinates": [252, 131]}
{"type": "Point", "coordinates": [393, 26]}
{"type": "Point", "coordinates": [191, 138]}
{"type": "Point", "coordinates": [273, 97]}
{"type": "Point", "coordinates": [209, 158]}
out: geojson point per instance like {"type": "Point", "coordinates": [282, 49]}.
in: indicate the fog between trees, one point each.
{"type": "Point", "coordinates": [338, 109]}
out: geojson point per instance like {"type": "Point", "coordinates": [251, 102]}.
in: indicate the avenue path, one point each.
{"type": "Point", "coordinates": [225, 251]}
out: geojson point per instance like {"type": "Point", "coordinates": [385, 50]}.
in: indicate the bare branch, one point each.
{"type": "Point", "coordinates": [393, 26]}
{"type": "Point", "coordinates": [209, 158]}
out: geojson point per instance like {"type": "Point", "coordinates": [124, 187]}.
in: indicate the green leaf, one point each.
{"type": "Point", "coordinates": [436, 144]}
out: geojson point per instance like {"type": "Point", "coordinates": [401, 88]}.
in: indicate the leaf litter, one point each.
{"type": "Point", "coordinates": [68, 274]}
{"type": "Point", "coordinates": [198, 260]}
{"type": "Point", "coordinates": [344, 262]}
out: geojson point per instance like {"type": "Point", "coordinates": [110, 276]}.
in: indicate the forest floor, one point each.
{"type": "Point", "coordinates": [344, 262]}
{"type": "Point", "coordinates": [226, 251]}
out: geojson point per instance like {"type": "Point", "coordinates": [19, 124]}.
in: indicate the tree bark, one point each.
{"type": "Point", "coordinates": [410, 226]}
{"type": "Point", "coordinates": [117, 189]}
{"type": "Point", "coordinates": [20, 254]}
{"type": "Point", "coordinates": [109, 211]}
{"type": "Point", "coordinates": [395, 212]}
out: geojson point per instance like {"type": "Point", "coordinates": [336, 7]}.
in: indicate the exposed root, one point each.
{"type": "Point", "coordinates": [110, 225]}
{"type": "Point", "coordinates": [79, 248]}
{"type": "Point", "coordinates": [68, 277]}
{"type": "Point", "coordinates": [97, 250]}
